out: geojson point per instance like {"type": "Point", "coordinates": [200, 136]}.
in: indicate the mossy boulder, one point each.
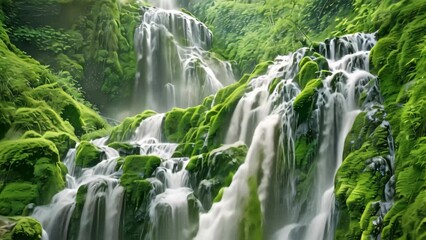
{"type": "Point", "coordinates": [30, 172]}
{"type": "Point", "coordinates": [127, 128]}
{"type": "Point", "coordinates": [177, 123]}
{"type": "Point", "coordinates": [136, 169]}
{"type": "Point", "coordinates": [125, 148]}
{"type": "Point", "coordinates": [88, 155]}
{"type": "Point", "coordinates": [137, 189]}
{"type": "Point", "coordinates": [16, 196]}
{"type": "Point", "coordinates": [251, 223]}
{"type": "Point", "coordinates": [20, 228]}
{"type": "Point", "coordinates": [27, 229]}
{"type": "Point", "coordinates": [30, 134]}
{"type": "Point", "coordinates": [63, 141]}
{"type": "Point", "coordinates": [308, 71]}
{"type": "Point", "coordinates": [208, 173]}
{"type": "Point", "coordinates": [305, 101]}
{"type": "Point", "coordinates": [40, 119]}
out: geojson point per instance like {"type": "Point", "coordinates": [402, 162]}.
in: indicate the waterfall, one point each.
{"type": "Point", "coordinates": [290, 199]}
{"type": "Point", "coordinates": [287, 214]}
{"type": "Point", "coordinates": [102, 206]}
{"type": "Point", "coordinates": [174, 67]}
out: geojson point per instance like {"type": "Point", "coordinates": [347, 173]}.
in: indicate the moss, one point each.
{"type": "Point", "coordinates": [175, 126]}
{"type": "Point", "coordinates": [26, 229]}
{"type": "Point", "coordinates": [251, 225]}
{"type": "Point", "coordinates": [40, 119]}
{"type": "Point", "coordinates": [62, 141]}
{"type": "Point", "coordinates": [96, 134]}
{"type": "Point", "coordinates": [88, 155]}
{"type": "Point", "coordinates": [217, 168]}
{"type": "Point", "coordinates": [50, 178]}
{"type": "Point", "coordinates": [30, 134]}
{"type": "Point", "coordinates": [223, 116]}
{"type": "Point", "coordinates": [304, 61]}
{"type": "Point", "coordinates": [304, 102]}
{"type": "Point", "coordinates": [219, 195]}
{"type": "Point", "coordinates": [322, 62]}
{"type": "Point", "coordinates": [127, 128]}
{"type": "Point", "coordinates": [308, 72]}
{"type": "Point", "coordinates": [6, 118]}
{"type": "Point", "coordinates": [135, 169]}
{"type": "Point", "coordinates": [18, 157]}
{"type": "Point", "coordinates": [74, 225]}
{"type": "Point", "coordinates": [16, 196]}
{"type": "Point", "coordinates": [124, 148]}
{"type": "Point", "coordinates": [35, 163]}
{"type": "Point", "coordinates": [261, 68]}
{"type": "Point", "coordinates": [141, 165]}
{"type": "Point", "coordinates": [273, 85]}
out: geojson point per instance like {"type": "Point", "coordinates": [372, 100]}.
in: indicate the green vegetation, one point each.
{"type": "Point", "coordinates": [88, 155]}
{"type": "Point", "coordinates": [212, 171]}
{"type": "Point", "coordinates": [83, 50]}
{"type": "Point", "coordinates": [30, 172]}
{"type": "Point", "coordinates": [21, 228]}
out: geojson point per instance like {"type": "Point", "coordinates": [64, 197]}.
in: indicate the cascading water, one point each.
{"type": "Point", "coordinates": [102, 206]}
{"type": "Point", "coordinates": [174, 67]}
{"type": "Point", "coordinates": [287, 213]}
{"type": "Point", "coordinates": [266, 119]}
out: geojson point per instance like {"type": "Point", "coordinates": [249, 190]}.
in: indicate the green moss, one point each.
{"type": "Point", "coordinates": [50, 178]}
{"type": "Point", "coordinates": [175, 126]}
{"type": "Point", "coordinates": [33, 162]}
{"type": "Point", "coordinates": [135, 169]}
{"type": "Point", "coordinates": [74, 225]}
{"type": "Point", "coordinates": [217, 168]}
{"type": "Point", "coordinates": [127, 128]}
{"type": "Point", "coordinates": [62, 141]}
{"type": "Point", "coordinates": [304, 61]}
{"type": "Point", "coordinates": [40, 119]}
{"type": "Point", "coordinates": [305, 101]}
{"type": "Point", "coordinates": [30, 134]}
{"type": "Point", "coordinates": [16, 196]}
{"type": "Point", "coordinates": [18, 158]}
{"type": "Point", "coordinates": [308, 72]}
{"type": "Point", "coordinates": [251, 225]}
{"type": "Point", "coordinates": [124, 148]}
{"type": "Point", "coordinates": [143, 166]}
{"type": "Point", "coordinates": [96, 134]}
{"type": "Point", "coordinates": [362, 176]}
{"type": "Point", "coordinates": [219, 195]}
{"type": "Point", "coordinates": [88, 155]}
{"type": "Point", "coordinates": [26, 229]}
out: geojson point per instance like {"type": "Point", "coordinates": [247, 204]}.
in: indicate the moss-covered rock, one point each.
{"type": "Point", "coordinates": [125, 149]}
{"type": "Point", "coordinates": [137, 189]}
{"type": "Point", "coordinates": [62, 141]}
{"type": "Point", "coordinates": [126, 129]}
{"type": "Point", "coordinates": [305, 101]}
{"type": "Point", "coordinates": [30, 172]}
{"type": "Point", "coordinates": [251, 224]}
{"type": "Point", "coordinates": [214, 170]}
{"type": "Point", "coordinates": [308, 72]}
{"type": "Point", "coordinates": [30, 134]}
{"type": "Point", "coordinates": [14, 197]}
{"type": "Point", "coordinates": [88, 155]}
{"type": "Point", "coordinates": [26, 229]}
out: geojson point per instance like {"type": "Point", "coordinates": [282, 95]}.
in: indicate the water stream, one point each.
{"type": "Point", "coordinates": [175, 70]}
